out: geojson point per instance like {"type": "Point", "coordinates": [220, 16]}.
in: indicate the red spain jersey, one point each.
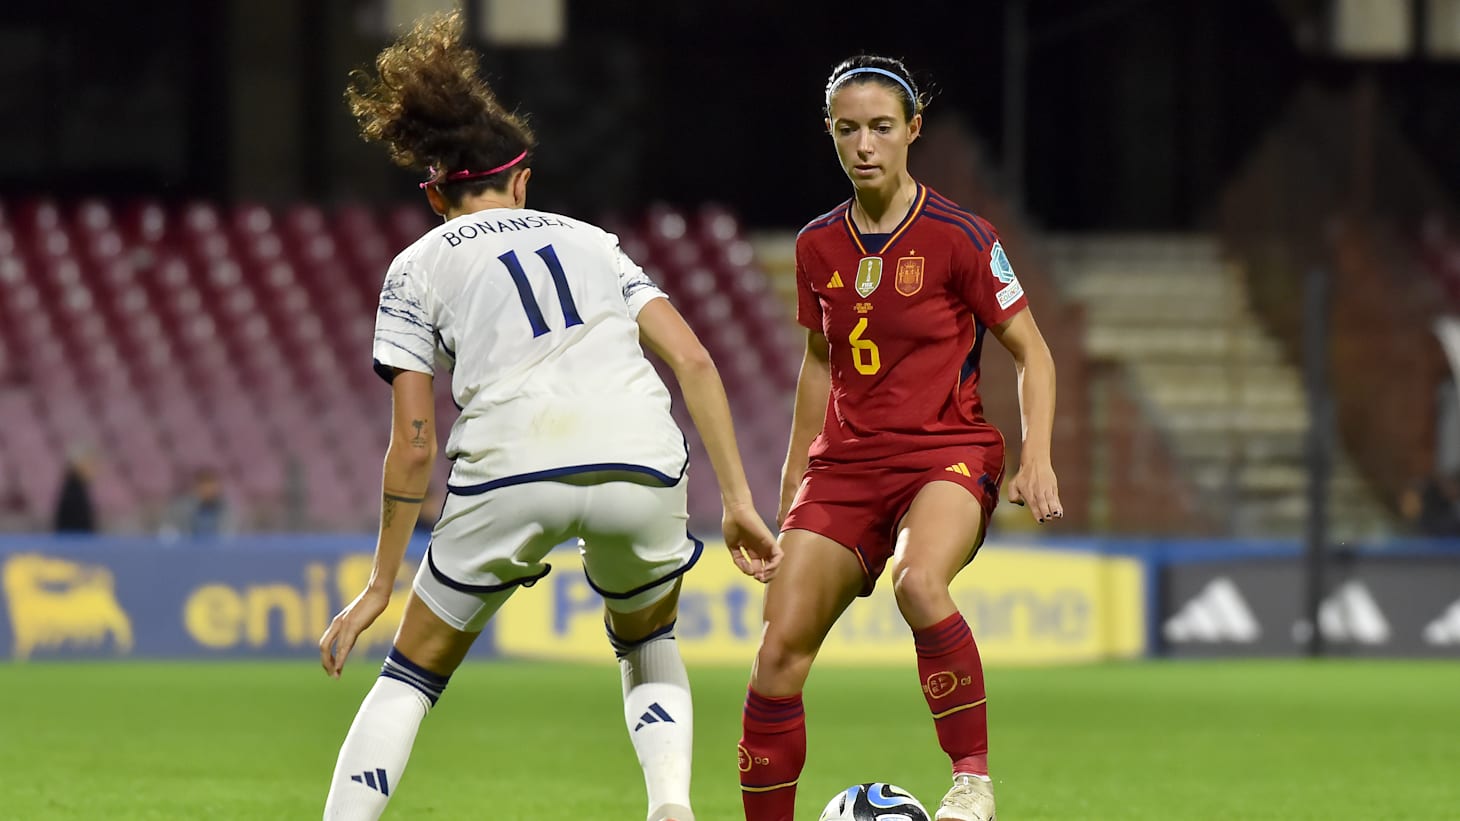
{"type": "Point", "coordinates": [905, 315]}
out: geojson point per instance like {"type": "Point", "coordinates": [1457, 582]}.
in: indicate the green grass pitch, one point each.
{"type": "Point", "coordinates": [1219, 740]}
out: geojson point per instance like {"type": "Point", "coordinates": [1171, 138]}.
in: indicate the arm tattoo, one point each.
{"type": "Point", "coordinates": [390, 500]}
{"type": "Point", "coordinates": [419, 439]}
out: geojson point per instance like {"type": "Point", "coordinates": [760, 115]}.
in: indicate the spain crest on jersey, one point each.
{"type": "Point", "coordinates": [869, 275]}
{"type": "Point", "coordinates": [909, 275]}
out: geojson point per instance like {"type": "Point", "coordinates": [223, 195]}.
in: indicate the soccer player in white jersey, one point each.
{"type": "Point", "coordinates": [564, 430]}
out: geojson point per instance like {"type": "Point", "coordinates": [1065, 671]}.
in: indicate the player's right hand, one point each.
{"type": "Point", "coordinates": [339, 639]}
{"type": "Point", "coordinates": [752, 546]}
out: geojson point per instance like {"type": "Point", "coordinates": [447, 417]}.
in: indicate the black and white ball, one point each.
{"type": "Point", "coordinates": [874, 802]}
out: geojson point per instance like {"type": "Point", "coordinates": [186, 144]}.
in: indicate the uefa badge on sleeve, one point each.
{"type": "Point", "coordinates": [1004, 273]}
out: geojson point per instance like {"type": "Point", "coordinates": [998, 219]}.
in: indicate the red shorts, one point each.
{"type": "Point", "coordinates": [860, 505]}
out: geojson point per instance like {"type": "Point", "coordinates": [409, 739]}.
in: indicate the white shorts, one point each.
{"type": "Point", "coordinates": [632, 539]}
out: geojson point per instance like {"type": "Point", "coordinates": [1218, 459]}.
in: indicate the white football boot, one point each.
{"type": "Point", "coordinates": [970, 799]}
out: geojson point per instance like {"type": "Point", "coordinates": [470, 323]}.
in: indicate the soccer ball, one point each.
{"type": "Point", "coordinates": [874, 802]}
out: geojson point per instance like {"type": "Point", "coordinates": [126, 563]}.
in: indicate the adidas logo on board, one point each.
{"type": "Point", "coordinates": [1217, 614]}
{"type": "Point", "coordinates": [1349, 614]}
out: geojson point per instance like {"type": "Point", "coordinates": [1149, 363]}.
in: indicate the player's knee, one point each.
{"type": "Point", "coordinates": [645, 614]}
{"type": "Point", "coordinates": [781, 666]}
{"type": "Point", "coordinates": [623, 644]}
{"type": "Point", "coordinates": [402, 669]}
{"type": "Point", "coordinates": [916, 587]}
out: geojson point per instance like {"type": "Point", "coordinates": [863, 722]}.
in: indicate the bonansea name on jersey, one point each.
{"type": "Point", "coordinates": [535, 316]}
{"type": "Point", "coordinates": [484, 227]}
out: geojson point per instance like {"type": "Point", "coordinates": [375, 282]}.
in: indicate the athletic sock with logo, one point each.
{"type": "Point", "coordinates": [375, 751]}
{"type": "Point", "coordinates": [952, 675]}
{"type": "Point", "coordinates": [772, 753]}
{"type": "Point", "coordinates": [660, 717]}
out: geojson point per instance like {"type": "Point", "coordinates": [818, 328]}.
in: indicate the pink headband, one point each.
{"type": "Point", "coordinates": [457, 176]}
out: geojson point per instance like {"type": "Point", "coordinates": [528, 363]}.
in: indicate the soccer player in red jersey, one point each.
{"type": "Point", "coordinates": [898, 287]}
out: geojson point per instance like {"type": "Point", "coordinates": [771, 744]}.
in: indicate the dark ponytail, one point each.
{"type": "Point", "coordinates": [431, 110]}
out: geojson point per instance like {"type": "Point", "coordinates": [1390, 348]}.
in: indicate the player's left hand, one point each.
{"type": "Point", "coordinates": [337, 642]}
{"type": "Point", "coordinates": [753, 547]}
{"type": "Point", "coordinates": [1035, 486]}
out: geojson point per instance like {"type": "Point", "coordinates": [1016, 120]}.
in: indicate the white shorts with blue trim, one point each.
{"type": "Point", "coordinates": [632, 539]}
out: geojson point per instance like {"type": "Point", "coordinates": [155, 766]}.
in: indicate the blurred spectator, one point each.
{"type": "Point", "coordinates": [201, 512]}
{"type": "Point", "coordinates": [1433, 507]}
{"type": "Point", "coordinates": [75, 512]}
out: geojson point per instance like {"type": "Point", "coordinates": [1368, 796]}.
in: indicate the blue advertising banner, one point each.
{"type": "Point", "coordinates": [71, 598]}
{"type": "Point", "coordinates": [1053, 601]}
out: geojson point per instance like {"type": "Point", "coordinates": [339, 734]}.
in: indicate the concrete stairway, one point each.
{"type": "Point", "coordinates": [1176, 316]}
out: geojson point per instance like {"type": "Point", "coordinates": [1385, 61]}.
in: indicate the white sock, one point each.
{"type": "Point", "coordinates": [374, 754]}
{"type": "Point", "coordinates": [660, 717]}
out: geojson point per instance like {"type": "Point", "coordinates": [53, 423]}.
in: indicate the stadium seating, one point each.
{"type": "Point", "coordinates": [1177, 316]}
{"type": "Point", "coordinates": [238, 337]}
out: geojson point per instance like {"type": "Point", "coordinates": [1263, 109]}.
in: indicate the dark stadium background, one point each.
{"type": "Point", "coordinates": [1137, 111]}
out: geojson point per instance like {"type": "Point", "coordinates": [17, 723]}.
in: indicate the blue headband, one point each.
{"type": "Point", "coordinates": [911, 96]}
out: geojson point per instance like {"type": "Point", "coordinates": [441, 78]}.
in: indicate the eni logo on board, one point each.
{"type": "Point", "coordinates": [57, 602]}
{"type": "Point", "coordinates": [258, 615]}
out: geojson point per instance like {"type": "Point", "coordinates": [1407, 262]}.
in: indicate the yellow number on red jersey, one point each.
{"type": "Point", "coordinates": [864, 351]}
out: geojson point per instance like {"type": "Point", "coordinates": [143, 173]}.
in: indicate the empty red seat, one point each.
{"type": "Point", "coordinates": [303, 220]}
{"type": "Point", "coordinates": [201, 218]}
{"type": "Point", "coordinates": [678, 254]}
{"type": "Point", "coordinates": [94, 215]}
{"type": "Point", "coordinates": [37, 216]}
{"type": "Point", "coordinates": [407, 223]}
{"type": "Point", "coordinates": [716, 224]}
{"type": "Point", "coordinates": [262, 247]}
{"type": "Point", "coordinates": [665, 224]}
{"type": "Point", "coordinates": [356, 221]}
{"type": "Point", "coordinates": [103, 246]}
{"type": "Point", "coordinates": [143, 222]}
{"type": "Point", "coordinates": [52, 243]}
{"type": "Point", "coordinates": [251, 219]}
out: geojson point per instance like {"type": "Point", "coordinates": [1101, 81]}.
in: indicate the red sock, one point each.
{"type": "Point", "coordinates": [772, 753]}
{"type": "Point", "coordinates": [952, 675]}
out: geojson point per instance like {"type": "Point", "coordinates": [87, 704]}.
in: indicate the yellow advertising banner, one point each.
{"type": "Point", "coordinates": [1025, 606]}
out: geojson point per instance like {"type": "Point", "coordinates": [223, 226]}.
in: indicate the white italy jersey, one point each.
{"type": "Point", "coordinates": [535, 314]}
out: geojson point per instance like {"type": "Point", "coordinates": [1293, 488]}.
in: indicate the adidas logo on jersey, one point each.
{"type": "Point", "coordinates": [1445, 630]}
{"type": "Point", "coordinates": [958, 468]}
{"type": "Point", "coordinates": [835, 281]}
{"type": "Point", "coordinates": [654, 715]}
{"type": "Point", "coordinates": [375, 780]}
{"type": "Point", "coordinates": [1217, 614]}
{"type": "Point", "coordinates": [1349, 614]}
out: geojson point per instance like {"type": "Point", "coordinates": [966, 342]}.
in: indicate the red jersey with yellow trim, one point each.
{"type": "Point", "coordinates": [905, 315]}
